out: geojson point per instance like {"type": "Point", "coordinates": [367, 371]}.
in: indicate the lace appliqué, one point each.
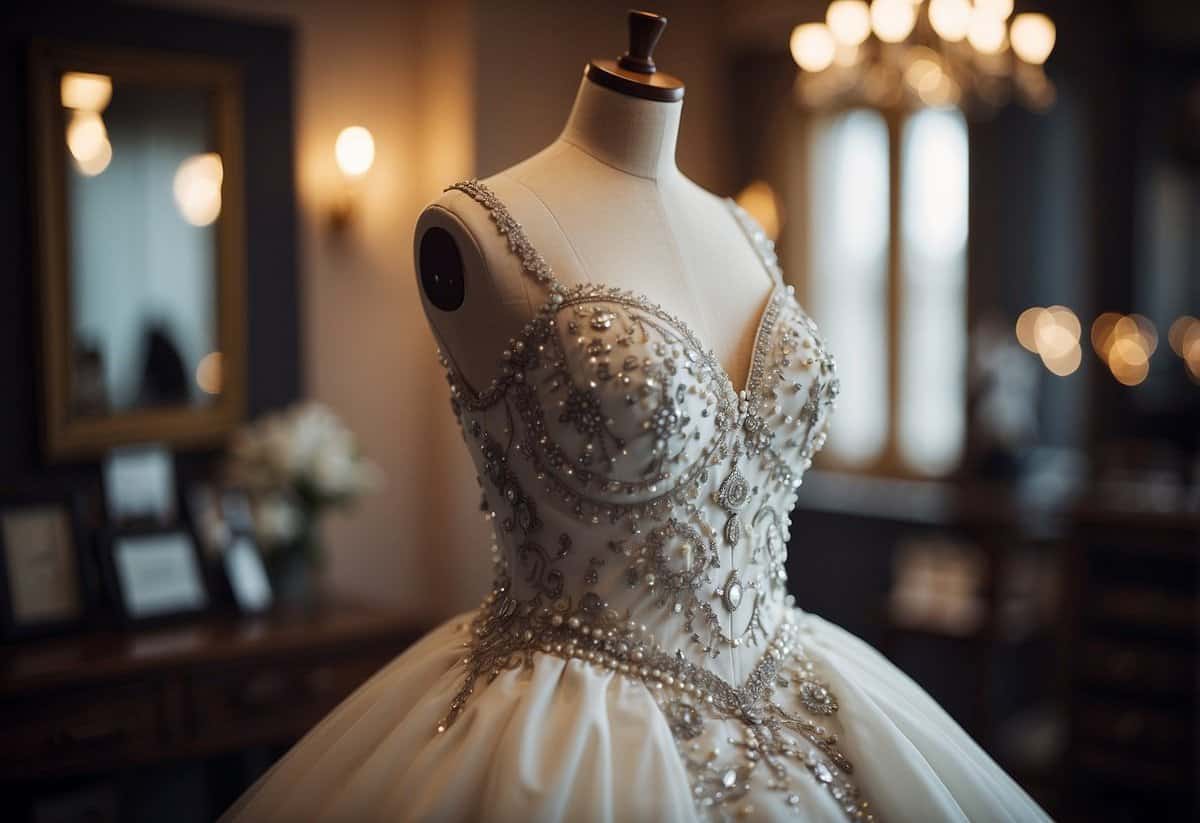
{"type": "Point", "coordinates": [507, 634]}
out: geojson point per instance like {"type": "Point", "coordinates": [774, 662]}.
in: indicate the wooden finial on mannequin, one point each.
{"type": "Point", "coordinates": [635, 73]}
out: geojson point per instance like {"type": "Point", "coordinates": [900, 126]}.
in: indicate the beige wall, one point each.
{"type": "Point", "coordinates": [445, 88]}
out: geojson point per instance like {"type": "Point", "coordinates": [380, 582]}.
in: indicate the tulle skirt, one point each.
{"type": "Point", "coordinates": [563, 740]}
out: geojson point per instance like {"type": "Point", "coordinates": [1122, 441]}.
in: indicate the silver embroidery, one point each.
{"type": "Point", "coordinates": [607, 412]}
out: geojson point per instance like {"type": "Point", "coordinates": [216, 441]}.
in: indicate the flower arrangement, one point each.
{"type": "Point", "coordinates": [296, 465]}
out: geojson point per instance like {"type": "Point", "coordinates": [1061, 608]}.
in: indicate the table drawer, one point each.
{"type": "Point", "coordinates": [77, 730]}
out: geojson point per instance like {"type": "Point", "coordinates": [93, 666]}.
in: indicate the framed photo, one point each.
{"type": "Point", "coordinates": [156, 574]}
{"type": "Point", "coordinates": [139, 484]}
{"type": "Point", "coordinates": [42, 585]}
{"type": "Point", "coordinates": [247, 576]}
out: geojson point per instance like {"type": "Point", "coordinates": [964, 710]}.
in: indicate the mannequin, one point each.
{"type": "Point", "coordinates": [606, 204]}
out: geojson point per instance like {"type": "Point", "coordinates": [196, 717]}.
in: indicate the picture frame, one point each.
{"type": "Point", "coordinates": [155, 574]}
{"type": "Point", "coordinates": [247, 576]}
{"type": "Point", "coordinates": [43, 572]}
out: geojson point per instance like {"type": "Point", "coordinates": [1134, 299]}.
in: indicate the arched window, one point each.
{"type": "Point", "coordinates": [886, 279]}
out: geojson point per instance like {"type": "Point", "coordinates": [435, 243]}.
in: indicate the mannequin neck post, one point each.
{"type": "Point", "coordinates": [631, 134]}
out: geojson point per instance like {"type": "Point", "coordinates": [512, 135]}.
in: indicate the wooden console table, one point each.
{"type": "Point", "coordinates": [104, 700]}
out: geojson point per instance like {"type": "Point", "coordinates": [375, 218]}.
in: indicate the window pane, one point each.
{"type": "Point", "coordinates": [847, 285]}
{"type": "Point", "coordinates": [933, 328]}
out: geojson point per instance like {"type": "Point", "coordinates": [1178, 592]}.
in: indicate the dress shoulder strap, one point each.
{"type": "Point", "coordinates": [531, 259]}
{"type": "Point", "coordinates": [763, 245]}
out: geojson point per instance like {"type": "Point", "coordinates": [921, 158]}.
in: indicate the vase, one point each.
{"type": "Point", "coordinates": [295, 570]}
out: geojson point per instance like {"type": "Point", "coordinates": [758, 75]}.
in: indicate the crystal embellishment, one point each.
{"type": "Point", "coordinates": [616, 462]}
{"type": "Point", "coordinates": [731, 595]}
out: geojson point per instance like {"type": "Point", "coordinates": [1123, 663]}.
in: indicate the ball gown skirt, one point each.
{"type": "Point", "coordinates": [639, 658]}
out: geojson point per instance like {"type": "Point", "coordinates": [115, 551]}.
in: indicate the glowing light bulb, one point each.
{"type": "Point", "coordinates": [198, 188]}
{"type": "Point", "coordinates": [85, 92]}
{"type": "Point", "coordinates": [950, 18]}
{"type": "Point", "coordinates": [1033, 37]}
{"type": "Point", "coordinates": [849, 21]}
{"type": "Point", "coordinates": [999, 9]}
{"type": "Point", "coordinates": [87, 140]}
{"type": "Point", "coordinates": [354, 150]}
{"type": "Point", "coordinates": [892, 20]}
{"type": "Point", "coordinates": [986, 33]}
{"type": "Point", "coordinates": [813, 47]}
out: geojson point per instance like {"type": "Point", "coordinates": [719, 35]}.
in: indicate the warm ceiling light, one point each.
{"type": "Point", "coordinates": [986, 33]}
{"type": "Point", "coordinates": [1032, 37]}
{"type": "Point", "coordinates": [354, 150]}
{"type": "Point", "coordinates": [87, 140]}
{"type": "Point", "coordinates": [208, 373]}
{"type": "Point", "coordinates": [85, 92]}
{"type": "Point", "coordinates": [198, 188]}
{"type": "Point", "coordinates": [849, 21]}
{"type": "Point", "coordinates": [950, 18]}
{"type": "Point", "coordinates": [1000, 9]}
{"type": "Point", "coordinates": [813, 47]}
{"type": "Point", "coordinates": [759, 200]}
{"type": "Point", "coordinates": [892, 20]}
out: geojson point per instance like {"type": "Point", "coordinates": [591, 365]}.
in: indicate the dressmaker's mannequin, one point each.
{"type": "Point", "coordinates": [605, 204]}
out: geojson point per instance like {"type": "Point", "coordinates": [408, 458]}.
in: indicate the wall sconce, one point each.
{"type": "Point", "coordinates": [355, 154]}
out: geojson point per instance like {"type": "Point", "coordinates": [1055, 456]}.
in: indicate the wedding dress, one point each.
{"type": "Point", "coordinates": [639, 658]}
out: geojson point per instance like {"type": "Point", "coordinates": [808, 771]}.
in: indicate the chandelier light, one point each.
{"type": "Point", "coordinates": [975, 54]}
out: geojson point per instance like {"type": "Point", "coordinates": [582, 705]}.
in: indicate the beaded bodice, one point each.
{"type": "Point", "coordinates": [640, 501]}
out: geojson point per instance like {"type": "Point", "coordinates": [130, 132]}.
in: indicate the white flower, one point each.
{"type": "Point", "coordinates": [277, 520]}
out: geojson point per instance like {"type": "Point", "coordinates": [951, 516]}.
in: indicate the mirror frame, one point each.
{"type": "Point", "coordinates": [68, 437]}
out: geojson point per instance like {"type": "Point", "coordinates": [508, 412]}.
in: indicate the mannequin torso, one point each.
{"type": "Point", "coordinates": [603, 204]}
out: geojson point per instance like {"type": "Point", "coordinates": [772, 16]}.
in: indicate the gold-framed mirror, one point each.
{"type": "Point", "coordinates": [138, 189]}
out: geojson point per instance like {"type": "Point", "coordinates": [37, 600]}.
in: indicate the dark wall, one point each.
{"type": "Point", "coordinates": [264, 53]}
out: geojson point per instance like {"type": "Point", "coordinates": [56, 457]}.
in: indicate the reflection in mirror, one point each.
{"type": "Point", "coordinates": [143, 192]}
{"type": "Point", "coordinates": [140, 246]}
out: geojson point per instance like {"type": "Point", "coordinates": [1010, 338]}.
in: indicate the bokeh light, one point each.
{"type": "Point", "coordinates": [87, 140]}
{"type": "Point", "coordinates": [1125, 343]}
{"type": "Point", "coordinates": [760, 201]}
{"type": "Point", "coordinates": [198, 188]}
{"type": "Point", "coordinates": [209, 373]}
{"type": "Point", "coordinates": [1033, 37]}
{"type": "Point", "coordinates": [354, 151]}
{"type": "Point", "coordinates": [892, 20]}
{"type": "Point", "coordinates": [85, 92]}
{"type": "Point", "coordinates": [849, 21]}
{"type": "Point", "coordinates": [987, 33]}
{"type": "Point", "coordinates": [813, 47]}
{"type": "Point", "coordinates": [1052, 334]}
{"type": "Point", "coordinates": [950, 18]}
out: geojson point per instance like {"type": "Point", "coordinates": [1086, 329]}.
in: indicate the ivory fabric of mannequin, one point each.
{"type": "Point", "coordinates": [641, 395]}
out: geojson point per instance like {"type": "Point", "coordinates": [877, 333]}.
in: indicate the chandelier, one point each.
{"type": "Point", "coordinates": [903, 53]}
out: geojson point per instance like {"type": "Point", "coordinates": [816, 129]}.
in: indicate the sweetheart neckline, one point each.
{"type": "Point", "coordinates": [552, 306]}
{"type": "Point", "coordinates": [537, 266]}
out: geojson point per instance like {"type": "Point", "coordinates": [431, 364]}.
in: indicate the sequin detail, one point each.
{"type": "Point", "coordinates": [623, 473]}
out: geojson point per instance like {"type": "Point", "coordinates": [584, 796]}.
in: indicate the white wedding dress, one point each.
{"type": "Point", "coordinates": [639, 658]}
